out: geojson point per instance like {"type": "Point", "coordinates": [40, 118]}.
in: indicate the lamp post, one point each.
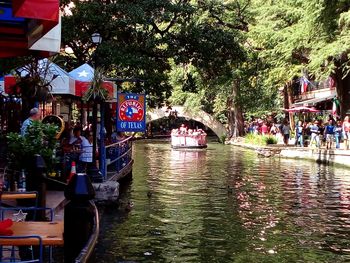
{"type": "Point", "coordinates": [96, 39]}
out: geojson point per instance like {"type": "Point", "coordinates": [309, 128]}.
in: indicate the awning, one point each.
{"type": "Point", "coordinates": [313, 102]}
{"type": "Point", "coordinates": [60, 81]}
{"type": "Point", "coordinates": [24, 22]}
{"type": "Point", "coordinates": [83, 75]}
{"type": "Point", "coordinates": [302, 109]}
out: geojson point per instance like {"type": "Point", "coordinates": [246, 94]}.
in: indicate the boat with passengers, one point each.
{"type": "Point", "coordinates": [184, 138]}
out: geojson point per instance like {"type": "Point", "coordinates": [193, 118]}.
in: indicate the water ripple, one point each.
{"type": "Point", "coordinates": [227, 205]}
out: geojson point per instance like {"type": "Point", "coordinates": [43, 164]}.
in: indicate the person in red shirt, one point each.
{"type": "Point", "coordinates": [264, 128]}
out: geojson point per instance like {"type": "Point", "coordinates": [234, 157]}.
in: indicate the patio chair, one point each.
{"type": "Point", "coordinates": [30, 197]}
{"type": "Point", "coordinates": [9, 253]}
{"type": "Point", "coordinates": [5, 213]}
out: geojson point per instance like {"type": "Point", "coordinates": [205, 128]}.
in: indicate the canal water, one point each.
{"type": "Point", "coordinates": [225, 204]}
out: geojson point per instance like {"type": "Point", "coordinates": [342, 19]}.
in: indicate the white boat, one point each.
{"type": "Point", "coordinates": [189, 141]}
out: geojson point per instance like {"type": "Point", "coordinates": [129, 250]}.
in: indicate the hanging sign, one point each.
{"type": "Point", "coordinates": [131, 112]}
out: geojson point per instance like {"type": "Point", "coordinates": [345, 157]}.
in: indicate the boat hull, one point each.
{"type": "Point", "coordinates": [183, 141]}
{"type": "Point", "coordinates": [189, 147]}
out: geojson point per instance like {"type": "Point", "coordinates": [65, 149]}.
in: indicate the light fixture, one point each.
{"type": "Point", "coordinates": [96, 38]}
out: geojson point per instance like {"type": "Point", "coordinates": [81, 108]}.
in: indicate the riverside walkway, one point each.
{"type": "Point", "coordinates": [321, 155]}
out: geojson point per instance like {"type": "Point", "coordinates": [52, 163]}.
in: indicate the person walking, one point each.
{"type": "Point", "coordinates": [346, 131]}
{"type": "Point", "coordinates": [285, 131]}
{"type": "Point", "coordinates": [315, 134]}
{"type": "Point", "coordinates": [299, 134]}
{"type": "Point", "coordinates": [34, 115]}
{"type": "Point", "coordinates": [329, 133]}
{"type": "Point", "coordinates": [338, 130]}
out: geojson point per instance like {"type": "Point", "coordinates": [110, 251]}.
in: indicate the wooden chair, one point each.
{"type": "Point", "coordinates": [4, 214]}
{"type": "Point", "coordinates": [10, 253]}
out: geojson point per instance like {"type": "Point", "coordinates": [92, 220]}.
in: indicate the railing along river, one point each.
{"type": "Point", "coordinates": [118, 156]}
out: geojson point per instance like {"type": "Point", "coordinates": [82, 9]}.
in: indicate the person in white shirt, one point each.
{"type": "Point", "coordinates": [86, 154]}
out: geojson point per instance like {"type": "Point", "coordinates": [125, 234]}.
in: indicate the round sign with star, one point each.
{"type": "Point", "coordinates": [131, 110]}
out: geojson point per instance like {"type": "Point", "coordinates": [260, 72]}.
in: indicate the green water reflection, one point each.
{"type": "Point", "coordinates": [227, 205]}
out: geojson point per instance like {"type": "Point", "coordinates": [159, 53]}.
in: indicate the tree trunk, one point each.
{"type": "Point", "coordinates": [343, 91]}
{"type": "Point", "coordinates": [235, 114]}
{"type": "Point", "coordinates": [288, 89]}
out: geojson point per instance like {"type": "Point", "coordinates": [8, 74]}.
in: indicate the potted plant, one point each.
{"type": "Point", "coordinates": [39, 139]}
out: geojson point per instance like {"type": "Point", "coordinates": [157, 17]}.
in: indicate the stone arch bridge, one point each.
{"type": "Point", "coordinates": [198, 115]}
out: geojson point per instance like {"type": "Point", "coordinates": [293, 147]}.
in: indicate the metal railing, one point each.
{"type": "Point", "coordinates": [312, 87]}
{"type": "Point", "coordinates": [118, 155]}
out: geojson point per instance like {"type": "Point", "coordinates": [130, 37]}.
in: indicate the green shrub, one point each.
{"type": "Point", "coordinates": [39, 139]}
{"type": "Point", "coordinates": [270, 139]}
{"type": "Point", "coordinates": [222, 138]}
{"type": "Point", "coordinates": [256, 139]}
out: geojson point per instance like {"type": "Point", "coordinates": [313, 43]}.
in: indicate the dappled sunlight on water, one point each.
{"type": "Point", "coordinates": [225, 204]}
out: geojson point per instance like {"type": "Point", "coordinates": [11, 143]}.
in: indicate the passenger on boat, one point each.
{"type": "Point", "coordinates": [175, 131]}
{"type": "Point", "coordinates": [202, 132]}
{"type": "Point", "coordinates": [183, 129]}
{"type": "Point", "coordinates": [196, 133]}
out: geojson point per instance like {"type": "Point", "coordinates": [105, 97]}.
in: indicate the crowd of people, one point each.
{"type": "Point", "coordinates": [76, 142]}
{"type": "Point", "coordinates": [183, 130]}
{"type": "Point", "coordinates": [317, 132]}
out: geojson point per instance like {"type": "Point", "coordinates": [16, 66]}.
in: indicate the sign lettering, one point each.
{"type": "Point", "coordinates": [131, 112]}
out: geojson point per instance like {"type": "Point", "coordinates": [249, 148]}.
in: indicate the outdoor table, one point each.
{"type": "Point", "coordinates": [51, 233]}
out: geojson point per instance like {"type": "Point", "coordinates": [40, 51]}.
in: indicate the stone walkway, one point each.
{"type": "Point", "coordinates": [56, 200]}
{"type": "Point", "coordinates": [323, 155]}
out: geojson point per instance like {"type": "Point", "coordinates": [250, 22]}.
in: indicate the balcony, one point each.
{"type": "Point", "coordinates": [317, 92]}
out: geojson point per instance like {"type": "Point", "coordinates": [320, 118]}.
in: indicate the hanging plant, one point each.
{"type": "Point", "coordinates": [33, 80]}
{"type": "Point", "coordinates": [96, 91]}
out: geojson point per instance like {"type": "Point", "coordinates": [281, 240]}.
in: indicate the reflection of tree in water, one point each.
{"type": "Point", "coordinates": [273, 209]}
{"type": "Point", "coordinates": [282, 206]}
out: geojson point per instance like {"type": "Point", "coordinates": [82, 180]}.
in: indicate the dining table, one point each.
{"type": "Point", "coordinates": [51, 233]}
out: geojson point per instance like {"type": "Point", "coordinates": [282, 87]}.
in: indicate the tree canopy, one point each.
{"type": "Point", "coordinates": [225, 57]}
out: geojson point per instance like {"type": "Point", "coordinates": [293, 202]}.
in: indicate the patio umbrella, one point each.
{"type": "Point", "coordinates": [24, 22]}
{"type": "Point", "coordinates": [302, 109]}
{"type": "Point", "coordinates": [83, 76]}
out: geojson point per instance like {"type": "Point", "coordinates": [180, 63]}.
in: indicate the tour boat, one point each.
{"type": "Point", "coordinates": [195, 140]}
